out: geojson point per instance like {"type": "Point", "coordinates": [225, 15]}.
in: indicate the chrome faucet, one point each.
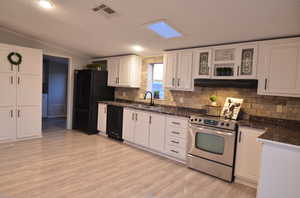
{"type": "Point", "coordinates": [151, 102]}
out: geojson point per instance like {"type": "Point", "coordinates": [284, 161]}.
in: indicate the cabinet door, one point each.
{"type": "Point", "coordinates": [29, 121]}
{"type": "Point", "coordinates": [248, 154]}
{"type": "Point", "coordinates": [202, 64]}
{"type": "Point", "coordinates": [170, 67]}
{"type": "Point", "coordinates": [279, 64]}
{"type": "Point", "coordinates": [5, 64]}
{"type": "Point", "coordinates": [247, 61]}
{"type": "Point", "coordinates": [113, 71]}
{"type": "Point", "coordinates": [102, 117]}
{"type": "Point", "coordinates": [32, 61]}
{"type": "Point", "coordinates": [7, 123]}
{"type": "Point", "coordinates": [141, 132]}
{"type": "Point", "coordinates": [29, 90]}
{"type": "Point", "coordinates": [184, 71]}
{"type": "Point", "coordinates": [124, 71]}
{"type": "Point", "coordinates": [157, 132]}
{"type": "Point", "coordinates": [129, 117]}
{"type": "Point", "coordinates": [8, 89]}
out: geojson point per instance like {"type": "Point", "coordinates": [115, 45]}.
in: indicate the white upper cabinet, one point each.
{"type": "Point", "coordinates": [247, 61]}
{"type": "Point", "coordinates": [31, 61]}
{"type": "Point", "coordinates": [29, 90]}
{"type": "Point", "coordinates": [279, 67]}
{"type": "Point", "coordinates": [124, 71]}
{"type": "Point", "coordinates": [202, 63]}
{"type": "Point", "coordinates": [178, 70]}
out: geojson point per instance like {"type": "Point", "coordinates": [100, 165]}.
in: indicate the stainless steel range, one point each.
{"type": "Point", "coordinates": [211, 146]}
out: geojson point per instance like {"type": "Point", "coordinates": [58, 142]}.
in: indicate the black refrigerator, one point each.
{"type": "Point", "coordinates": [90, 86]}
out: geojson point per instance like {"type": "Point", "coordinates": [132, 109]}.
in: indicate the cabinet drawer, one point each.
{"type": "Point", "coordinates": [177, 142]}
{"type": "Point", "coordinates": [177, 132]}
{"type": "Point", "coordinates": [176, 152]}
{"type": "Point", "coordinates": [175, 122]}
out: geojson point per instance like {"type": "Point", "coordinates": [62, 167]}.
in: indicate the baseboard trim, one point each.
{"type": "Point", "coordinates": [246, 182]}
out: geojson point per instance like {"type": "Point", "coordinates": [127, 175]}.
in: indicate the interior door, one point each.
{"type": "Point", "coordinates": [29, 121]}
{"type": "Point", "coordinates": [129, 125]}
{"type": "Point", "coordinates": [141, 136]}
{"type": "Point", "coordinates": [8, 89]}
{"type": "Point", "coordinates": [29, 90]}
{"type": "Point", "coordinates": [32, 61]}
{"type": "Point", "coordinates": [7, 123]}
{"type": "Point", "coordinates": [184, 70]}
{"type": "Point", "coordinates": [102, 117]}
{"type": "Point", "coordinates": [5, 64]}
{"type": "Point", "coordinates": [170, 64]}
{"type": "Point", "coordinates": [157, 132]}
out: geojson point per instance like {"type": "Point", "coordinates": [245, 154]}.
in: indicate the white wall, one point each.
{"type": "Point", "coordinates": [76, 60]}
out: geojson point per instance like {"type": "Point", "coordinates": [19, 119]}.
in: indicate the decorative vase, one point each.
{"type": "Point", "coordinates": [213, 103]}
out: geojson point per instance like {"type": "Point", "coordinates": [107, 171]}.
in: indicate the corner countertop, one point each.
{"type": "Point", "coordinates": [169, 110]}
{"type": "Point", "coordinates": [278, 131]}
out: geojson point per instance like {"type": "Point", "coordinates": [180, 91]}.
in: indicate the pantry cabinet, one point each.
{"type": "Point", "coordinates": [124, 71]}
{"type": "Point", "coordinates": [21, 85]}
{"type": "Point", "coordinates": [178, 70]}
{"type": "Point", "coordinates": [279, 67]}
{"type": "Point", "coordinates": [102, 117]}
{"type": "Point", "coordinates": [247, 166]}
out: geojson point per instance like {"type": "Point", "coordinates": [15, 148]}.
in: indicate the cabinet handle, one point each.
{"type": "Point", "coordinates": [175, 132]}
{"type": "Point", "coordinates": [105, 110]}
{"type": "Point", "coordinates": [18, 68]}
{"type": "Point", "coordinates": [136, 117]}
{"type": "Point", "coordinates": [177, 123]}
{"type": "Point", "coordinates": [11, 67]}
{"type": "Point", "coordinates": [116, 80]}
{"type": "Point", "coordinates": [11, 113]}
{"type": "Point", "coordinates": [18, 80]}
{"type": "Point", "coordinates": [266, 83]}
{"type": "Point", "coordinates": [19, 114]}
{"type": "Point", "coordinates": [150, 120]}
{"type": "Point", "coordinates": [178, 82]}
{"type": "Point", "coordinates": [238, 71]}
{"type": "Point", "coordinates": [174, 151]}
{"type": "Point", "coordinates": [11, 80]}
{"type": "Point", "coordinates": [132, 116]}
{"type": "Point", "coordinates": [173, 81]}
{"type": "Point", "coordinates": [176, 142]}
{"type": "Point", "coordinates": [240, 137]}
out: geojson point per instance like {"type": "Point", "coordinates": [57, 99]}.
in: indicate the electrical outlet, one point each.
{"type": "Point", "coordinates": [181, 99]}
{"type": "Point", "coordinates": [279, 108]}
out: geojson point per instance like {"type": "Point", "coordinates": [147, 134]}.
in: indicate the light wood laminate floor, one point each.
{"type": "Point", "coordinates": [72, 165]}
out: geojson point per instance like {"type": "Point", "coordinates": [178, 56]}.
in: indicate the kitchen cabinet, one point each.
{"type": "Point", "coordinates": [178, 70]}
{"type": "Point", "coordinates": [247, 165]}
{"type": "Point", "coordinates": [102, 117]}
{"type": "Point", "coordinates": [129, 125]}
{"type": "Point", "coordinates": [279, 63]}
{"type": "Point", "coordinates": [202, 63]}
{"type": "Point", "coordinates": [124, 71]}
{"type": "Point", "coordinates": [141, 132]}
{"type": "Point", "coordinates": [157, 132]}
{"type": "Point", "coordinates": [247, 61]}
{"type": "Point", "coordinates": [20, 105]}
{"type": "Point", "coordinates": [8, 124]}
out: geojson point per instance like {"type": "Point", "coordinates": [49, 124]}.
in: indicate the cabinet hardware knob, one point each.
{"type": "Point", "coordinates": [175, 142]}
{"type": "Point", "coordinates": [175, 132]}
{"type": "Point", "coordinates": [174, 151]}
{"type": "Point", "coordinates": [177, 123]}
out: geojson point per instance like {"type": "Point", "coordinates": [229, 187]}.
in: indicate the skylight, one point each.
{"type": "Point", "coordinates": [164, 30]}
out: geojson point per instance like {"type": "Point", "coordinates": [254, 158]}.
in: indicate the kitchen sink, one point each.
{"type": "Point", "coordinates": [142, 106]}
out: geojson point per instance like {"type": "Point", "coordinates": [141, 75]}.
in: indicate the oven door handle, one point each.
{"type": "Point", "coordinates": [212, 131]}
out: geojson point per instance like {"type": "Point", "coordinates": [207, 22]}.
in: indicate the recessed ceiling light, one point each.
{"type": "Point", "coordinates": [47, 4]}
{"type": "Point", "coordinates": [164, 30]}
{"type": "Point", "coordinates": [137, 48]}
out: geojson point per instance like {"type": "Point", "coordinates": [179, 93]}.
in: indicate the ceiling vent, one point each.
{"type": "Point", "coordinates": [105, 10]}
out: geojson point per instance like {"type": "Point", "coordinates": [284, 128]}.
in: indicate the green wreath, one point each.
{"type": "Point", "coordinates": [15, 58]}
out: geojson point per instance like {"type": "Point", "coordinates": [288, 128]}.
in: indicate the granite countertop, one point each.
{"type": "Point", "coordinates": [278, 131]}
{"type": "Point", "coordinates": [169, 110]}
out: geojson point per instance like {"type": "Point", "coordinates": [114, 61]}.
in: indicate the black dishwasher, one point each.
{"type": "Point", "coordinates": [114, 122]}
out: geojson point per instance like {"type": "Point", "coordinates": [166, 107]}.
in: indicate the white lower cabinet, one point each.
{"type": "Point", "coordinates": [29, 122]}
{"type": "Point", "coordinates": [247, 165]}
{"type": "Point", "coordinates": [151, 131]}
{"type": "Point", "coordinates": [102, 117]}
{"type": "Point", "coordinates": [8, 124]}
{"type": "Point", "coordinates": [157, 132]}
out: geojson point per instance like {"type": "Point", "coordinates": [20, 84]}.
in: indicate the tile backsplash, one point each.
{"type": "Point", "coordinates": [266, 106]}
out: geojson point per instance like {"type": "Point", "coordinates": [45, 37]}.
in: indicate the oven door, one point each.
{"type": "Point", "coordinates": [212, 144]}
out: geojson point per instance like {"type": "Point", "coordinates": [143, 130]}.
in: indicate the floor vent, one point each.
{"type": "Point", "coordinates": [104, 9]}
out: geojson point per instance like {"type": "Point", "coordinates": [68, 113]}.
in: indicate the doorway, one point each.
{"type": "Point", "coordinates": [55, 92]}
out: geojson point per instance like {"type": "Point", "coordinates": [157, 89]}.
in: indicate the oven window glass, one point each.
{"type": "Point", "coordinates": [210, 143]}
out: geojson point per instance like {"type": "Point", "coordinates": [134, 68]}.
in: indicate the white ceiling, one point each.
{"type": "Point", "coordinates": [72, 24]}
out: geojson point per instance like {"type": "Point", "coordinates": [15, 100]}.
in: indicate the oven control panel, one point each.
{"type": "Point", "coordinates": [214, 122]}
